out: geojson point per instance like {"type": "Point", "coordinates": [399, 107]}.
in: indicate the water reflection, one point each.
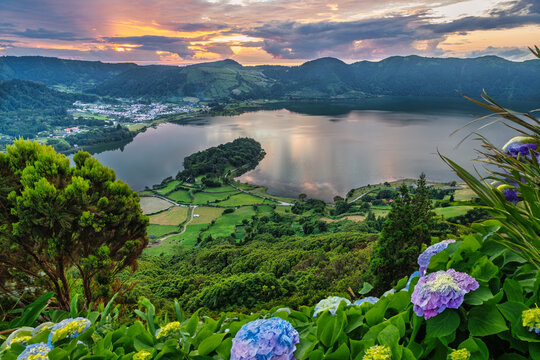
{"type": "Point", "coordinates": [320, 155]}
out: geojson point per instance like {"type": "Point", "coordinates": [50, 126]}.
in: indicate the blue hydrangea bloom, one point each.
{"type": "Point", "coordinates": [68, 328]}
{"type": "Point", "coordinates": [331, 304]}
{"type": "Point", "coordinates": [441, 290]}
{"type": "Point", "coordinates": [369, 299]}
{"type": "Point", "coordinates": [423, 259]}
{"type": "Point", "coordinates": [413, 275]}
{"type": "Point", "coordinates": [37, 351]}
{"type": "Point", "coordinates": [389, 292]}
{"type": "Point", "coordinates": [266, 339]}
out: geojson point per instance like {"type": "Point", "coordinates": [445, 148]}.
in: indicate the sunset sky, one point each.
{"type": "Point", "coordinates": [253, 32]}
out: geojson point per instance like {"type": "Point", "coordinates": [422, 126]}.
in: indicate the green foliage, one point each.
{"type": "Point", "coordinates": [242, 154]}
{"type": "Point", "coordinates": [520, 225]}
{"type": "Point", "coordinates": [404, 233]}
{"type": "Point", "coordinates": [264, 272]}
{"type": "Point", "coordinates": [60, 220]}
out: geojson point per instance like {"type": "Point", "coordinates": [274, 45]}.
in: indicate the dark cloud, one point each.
{"type": "Point", "coordinates": [472, 23]}
{"type": "Point", "coordinates": [517, 7]}
{"type": "Point", "coordinates": [296, 40]}
{"type": "Point", "coordinates": [174, 45]}
{"type": "Point", "coordinates": [49, 34]}
{"type": "Point", "coordinates": [188, 27]}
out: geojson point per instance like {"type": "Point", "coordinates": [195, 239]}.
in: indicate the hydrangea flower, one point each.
{"type": "Point", "coordinates": [520, 146]}
{"type": "Point", "coordinates": [267, 339]}
{"type": "Point", "coordinates": [23, 340]}
{"type": "Point", "coordinates": [68, 328]}
{"type": "Point", "coordinates": [423, 259]}
{"type": "Point", "coordinates": [389, 292]}
{"type": "Point", "coordinates": [369, 299]}
{"type": "Point", "coordinates": [41, 328]}
{"type": "Point", "coordinates": [509, 192]}
{"type": "Point", "coordinates": [378, 352]}
{"type": "Point", "coordinates": [169, 329]}
{"type": "Point", "coordinates": [20, 336]}
{"type": "Point", "coordinates": [37, 351]}
{"type": "Point", "coordinates": [531, 319]}
{"type": "Point", "coordinates": [440, 290]}
{"type": "Point", "coordinates": [331, 304]}
{"type": "Point", "coordinates": [461, 354]}
{"type": "Point", "coordinates": [142, 355]}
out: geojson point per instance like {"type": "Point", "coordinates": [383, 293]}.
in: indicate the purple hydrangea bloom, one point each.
{"type": "Point", "coordinates": [510, 195]}
{"type": "Point", "coordinates": [369, 299]}
{"type": "Point", "coordinates": [440, 290]}
{"type": "Point", "coordinates": [267, 339]}
{"type": "Point", "coordinates": [423, 259]}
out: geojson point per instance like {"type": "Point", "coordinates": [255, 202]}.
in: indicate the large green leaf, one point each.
{"type": "Point", "coordinates": [443, 324]}
{"type": "Point", "coordinates": [486, 320]}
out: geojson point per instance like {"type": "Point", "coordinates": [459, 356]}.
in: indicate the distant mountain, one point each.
{"type": "Point", "coordinates": [321, 79]}
{"type": "Point", "coordinates": [18, 95]}
{"type": "Point", "coordinates": [216, 80]}
{"type": "Point", "coordinates": [73, 74]}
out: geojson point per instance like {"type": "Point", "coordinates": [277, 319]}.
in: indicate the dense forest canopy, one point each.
{"type": "Point", "coordinates": [241, 154]}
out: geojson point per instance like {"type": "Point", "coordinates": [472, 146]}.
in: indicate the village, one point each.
{"type": "Point", "coordinates": [134, 112]}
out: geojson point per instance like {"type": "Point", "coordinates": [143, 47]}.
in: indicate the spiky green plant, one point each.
{"type": "Point", "coordinates": [519, 227]}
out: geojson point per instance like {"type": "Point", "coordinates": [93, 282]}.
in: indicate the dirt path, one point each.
{"type": "Point", "coordinates": [192, 210]}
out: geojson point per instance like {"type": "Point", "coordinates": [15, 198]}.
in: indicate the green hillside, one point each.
{"type": "Point", "coordinates": [73, 74]}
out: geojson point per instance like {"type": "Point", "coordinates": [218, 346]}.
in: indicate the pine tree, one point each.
{"type": "Point", "coordinates": [407, 227]}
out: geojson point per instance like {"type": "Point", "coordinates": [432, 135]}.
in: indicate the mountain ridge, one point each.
{"type": "Point", "coordinates": [318, 79]}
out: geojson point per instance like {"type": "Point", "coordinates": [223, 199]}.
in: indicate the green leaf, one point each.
{"type": "Point", "coordinates": [443, 324]}
{"type": "Point", "coordinates": [73, 306]}
{"type": "Point", "coordinates": [513, 290]}
{"type": "Point", "coordinates": [178, 311]}
{"type": "Point", "coordinates": [366, 288]}
{"type": "Point", "coordinates": [105, 311]}
{"type": "Point", "coordinates": [484, 269]}
{"type": "Point", "coordinates": [32, 311]}
{"type": "Point", "coordinates": [224, 349]}
{"type": "Point", "coordinates": [534, 351]}
{"type": "Point", "coordinates": [478, 296]}
{"type": "Point", "coordinates": [325, 328]}
{"type": "Point", "coordinates": [389, 336]}
{"type": "Point", "coordinates": [210, 344]}
{"type": "Point", "coordinates": [376, 314]}
{"type": "Point", "coordinates": [316, 355]}
{"type": "Point", "coordinates": [476, 347]}
{"type": "Point", "coordinates": [341, 353]}
{"type": "Point", "coordinates": [486, 320]}
{"type": "Point", "coordinates": [191, 325]}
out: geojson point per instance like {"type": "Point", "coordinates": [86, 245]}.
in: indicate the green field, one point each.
{"type": "Point", "coordinates": [160, 230]}
{"type": "Point", "coordinates": [180, 196]}
{"type": "Point", "coordinates": [465, 194]}
{"type": "Point", "coordinates": [206, 215]}
{"type": "Point", "coordinates": [244, 199]}
{"type": "Point", "coordinates": [150, 205]}
{"type": "Point", "coordinates": [170, 187]}
{"type": "Point", "coordinates": [174, 216]}
{"type": "Point", "coordinates": [225, 188]}
{"type": "Point", "coordinates": [226, 224]}
{"type": "Point", "coordinates": [189, 237]}
{"type": "Point", "coordinates": [452, 211]}
{"type": "Point", "coordinates": [205, 198]}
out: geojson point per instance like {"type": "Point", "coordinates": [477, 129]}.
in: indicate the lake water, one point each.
{"type": "Point", "coordinates": [320, 155]}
